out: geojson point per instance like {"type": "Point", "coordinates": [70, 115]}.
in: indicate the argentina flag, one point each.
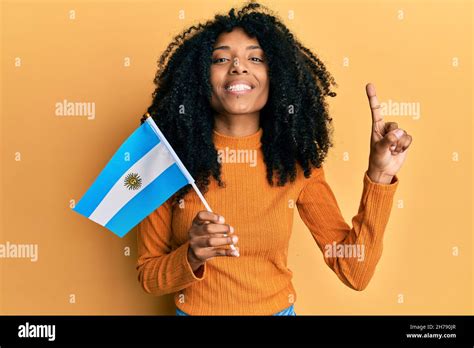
{"type": "Point", "coordinates": [143, 173]}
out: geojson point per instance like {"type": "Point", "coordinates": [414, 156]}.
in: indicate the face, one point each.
{"type": "Point", "coordinates": [239, 74]}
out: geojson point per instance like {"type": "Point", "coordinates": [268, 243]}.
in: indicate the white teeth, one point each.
{"type": "Point", "coordinates": [239, 87]}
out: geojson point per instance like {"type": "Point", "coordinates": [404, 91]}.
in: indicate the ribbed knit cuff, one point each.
{"type": "Point", "coordinates": [382, 194]}
{"type": "Point", "coordinates": [392, 186]}
{"type": "Point", "coordinates": [187, 270]}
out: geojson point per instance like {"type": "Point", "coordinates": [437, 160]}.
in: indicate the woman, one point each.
{"type": "Point", "coordinates": [242, 102]}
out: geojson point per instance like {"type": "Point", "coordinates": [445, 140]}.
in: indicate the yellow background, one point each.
{"type": "Point", "coordinates": [406, 48]}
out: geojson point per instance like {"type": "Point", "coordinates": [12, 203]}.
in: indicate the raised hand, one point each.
{"type": "Point", "coordinates": [388, 143]}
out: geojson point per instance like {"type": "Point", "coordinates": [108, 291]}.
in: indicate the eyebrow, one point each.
{"type": "Point", "coordinates": [251, 47]}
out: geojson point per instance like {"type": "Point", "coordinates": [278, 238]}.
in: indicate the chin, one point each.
{"type": "Point", "coordinates": [240, 109]}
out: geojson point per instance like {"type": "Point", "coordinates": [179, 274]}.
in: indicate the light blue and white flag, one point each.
{"type": "Point", "coordinates": [143, 173]}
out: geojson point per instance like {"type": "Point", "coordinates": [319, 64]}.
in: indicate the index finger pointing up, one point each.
{"type": "Point", "coordinates": [373, 103]}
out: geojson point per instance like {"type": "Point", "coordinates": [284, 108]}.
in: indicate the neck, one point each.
{"type": "Point", "coordinates": [237, 125]}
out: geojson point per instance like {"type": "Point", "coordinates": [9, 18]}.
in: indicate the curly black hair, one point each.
{"type": "Point", "coordinates": [295, 121]}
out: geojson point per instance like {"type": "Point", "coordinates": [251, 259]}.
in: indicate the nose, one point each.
{"type": "Point", "coordinates": [237, 67]}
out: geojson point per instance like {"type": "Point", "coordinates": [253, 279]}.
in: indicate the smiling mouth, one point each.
{"type": "Point", "coordinates": [238, 88]}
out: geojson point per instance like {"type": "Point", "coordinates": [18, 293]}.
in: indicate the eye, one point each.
{"type": "Point", "coordinates": [256, 59]}
{"type": "Point", "coordinates": [219, 60]}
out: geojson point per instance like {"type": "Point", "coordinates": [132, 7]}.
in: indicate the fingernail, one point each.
{"type": "Point", "coordinates": [399, 133]}
{"type": "Point", "coordinates": [235, 239]}
{"type": "Point", "coordinates": [221, 219]}
{"type": "Point", "coordinates": [235, 253]}
{"type": "Point", "coordinates": [231, 229]}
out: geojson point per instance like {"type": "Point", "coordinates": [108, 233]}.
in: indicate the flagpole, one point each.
{"type": "Point", "coordinates": [180, 164]}
{"type": "Point", "coordinates": [203, 200]}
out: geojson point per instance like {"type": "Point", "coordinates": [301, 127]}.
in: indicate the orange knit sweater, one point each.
{"type": "Point", "coordinates": [258, 282]}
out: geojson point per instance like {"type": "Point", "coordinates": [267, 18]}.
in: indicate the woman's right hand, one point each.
{"type": "Point", "coordinates": [207, 236]}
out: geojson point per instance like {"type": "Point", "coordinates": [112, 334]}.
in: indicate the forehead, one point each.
{"type": "Point", "coordinates": [237, 36]}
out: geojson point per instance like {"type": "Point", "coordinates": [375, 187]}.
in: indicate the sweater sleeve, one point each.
{"type": "Point", "coordinates": [162, 270]}
{"type": "Point", "coordinates": [320, 212]}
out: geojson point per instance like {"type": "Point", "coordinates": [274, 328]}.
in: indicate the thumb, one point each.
{"type": "Point", "coordinates": [388, 140]}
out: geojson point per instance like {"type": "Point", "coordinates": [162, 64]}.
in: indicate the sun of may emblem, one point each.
{"type": "Point", "coordinates": [133, 181]}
